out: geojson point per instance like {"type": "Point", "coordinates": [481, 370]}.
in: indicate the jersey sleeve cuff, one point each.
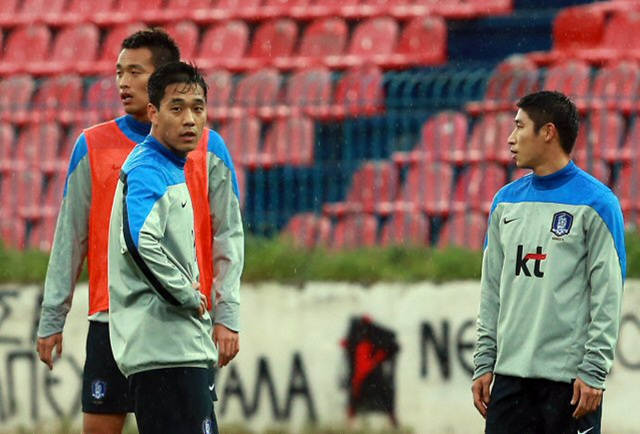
{"type": "Point", "coordinates": [51, 322]}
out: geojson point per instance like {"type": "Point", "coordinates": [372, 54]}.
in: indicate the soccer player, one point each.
{"type": "Point", "coordinates": [553, 270]}
{"type": "Point", "coordinates": [82, 232]}
{"type": "Point", "coordinates": [160, 327]}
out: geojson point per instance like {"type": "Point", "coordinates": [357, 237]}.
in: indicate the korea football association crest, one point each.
{"type": "Point", "coordinates": [207, 427]}
{"type": "Point", "coordinates": [98, 389]}
{"type": "Point", "coordinates": [561, 224]}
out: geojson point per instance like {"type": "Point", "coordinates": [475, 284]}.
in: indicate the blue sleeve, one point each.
{"type": "Point", "coordinates": [608, 208]}
{"type": "Point", "coordinates": [80, 151]}
{"type": "Point", "coordinates": [218, 148]}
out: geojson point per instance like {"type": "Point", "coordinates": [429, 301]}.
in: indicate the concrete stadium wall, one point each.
{"type": "Point", "coordinates": [291, 367]}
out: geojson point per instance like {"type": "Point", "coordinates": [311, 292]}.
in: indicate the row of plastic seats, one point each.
{"type": "Point", "coordinates": [615, 86]}
{"type": "Point", "coordinates": [110, 12]}
{"type": "Point", "coordinates": [402, 227]}
{"type": "Point", "coordinates": [315, 92]}
{"type": "Point", "coordinates": [277, 43]}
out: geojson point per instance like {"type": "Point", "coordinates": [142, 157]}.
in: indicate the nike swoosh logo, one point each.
{"type": "Point", "coordinates": [584, 432]}
{"type": "Point", "coordinates": [213, 386]}
{"type": "Point", "coordinates": [507, 221]}
{"type": "Point", "coordinates": [184, 204]}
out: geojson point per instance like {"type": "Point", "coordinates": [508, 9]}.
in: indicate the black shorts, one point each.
{"type": "Point", "coordinates": [536, 406]}
{"type": "Point", "coordinates": [104, 389]}
{"type": "Point", "coordinates": [174, 400]}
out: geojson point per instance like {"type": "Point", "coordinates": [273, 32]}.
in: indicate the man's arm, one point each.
{"type": "Point", "coordinates": [606, 268]}
{"type": "Point", "coordinates": [67, 254]}
{"type": "Point", "coordinates": [145, 217]}
{"type": "Point", "coordinates": [228, 247]}
{"type": "Point", "coordinates": [484, 357]}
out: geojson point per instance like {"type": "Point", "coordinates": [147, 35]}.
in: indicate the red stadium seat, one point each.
{"type": "Point", "coordinates": [281, 8]}
{"type": "Point", "coordinates": [242, 136]}
{"type": "Point", "coordinates": [477, 187]}
{"type": "Point", "coordinates": [288, 142]}
{"type": "Point", "coordinates": [181, 5]}
{"type": "Point", "coordinates": [407, 228]}
{"type": "Point", "coordinates": [359, 92]}
{"type": "Point", "coordinates": [242, 9]}
{"type": "Point", "coordinates": [258, 92]}
{"type": "Point", "coordinates": [322, 38]}
{"type": "Point", "coordinates": [26, 188]}
{"type": "Point", "coordinates": [220, 83]}
{"type": "Point", "coordinates": [37, 148]}
{"type": "Point", "coordinates": [514, 78]}
{"type": "Point", "coordinates": [601, 137]}
{"type": "Point", "coordinates": [103, 98]}
{"type": "Point", "coordinates": [464, 229]}
{"type": "Point", "coordinates": [25, 45]}
{"type": "Point", "coordinates": [428, 187]}
{"type": "Point", "coordinates": [111, 46]}
{"type": "Point", "coordinates": [8, 12]}
{"type": "Point", "coordinates": [443, 138]}
{"type": "Point", "coordinates": [628, 187]}
{"type": "Point", "coordinates": [373, 183]}
{"type": "Point", "coordinates": [355, 231]}
{"type": "Point", "coordinates": [273, 39]}
{"type": "Point", "coordinates": [145, 10]}
{"type": "Point", "coordinates": [15, 98]}
{"type": "Point", "coordinates": [489, 139]}
{"type": "Point", "coordinates": [83, 11]}
{"type": "Point", "coordinates": [58, 99]}
{"type": "Point", "coordinates": [74, 50]}
{"type": "Point", "coordinates": [186, 35]}
{"type": "Point", "coordinates": [7, 144]}
{"type": "Point", "coordinates": [309, 91]}
{"type": "Point", "coordinates": [39, 10]}
{"type": "Point", "coordinates": [615, 87]}
{"type": "Point", "coordinates": [373, 40]}
{"type": "Point", "coordinates": [422, 42]}
{"type": "Point", "coordinates": [308, 230]}
{"type": "Point", "coordinates": [13, 232]}
{"type": "Point", "coordinates": [223, 45]}
{"type": "Point", "coordinates": [571, 77]}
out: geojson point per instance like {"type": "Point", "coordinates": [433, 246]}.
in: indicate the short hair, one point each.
{"type": "Point", "coordinates": [553, 107]}
{"type": "Point", "coordinates": [172, 73]}
{"type": "Point", "coordinates": [163, 48]}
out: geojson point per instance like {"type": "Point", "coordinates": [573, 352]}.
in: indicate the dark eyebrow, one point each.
{"type": "Point", "coordinates": [132, 66]}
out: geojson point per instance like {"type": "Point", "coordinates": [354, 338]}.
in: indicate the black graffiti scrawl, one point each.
{"type": "Point", "coordinates": [371, 351]}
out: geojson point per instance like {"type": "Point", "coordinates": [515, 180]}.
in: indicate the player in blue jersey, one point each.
{"type": "Point", "coordinates": [552, 278]}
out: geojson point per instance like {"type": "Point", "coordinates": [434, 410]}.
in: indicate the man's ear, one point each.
{"type": "Point", "coordinates": [550, 132]}
{"type": "Point", "coordinates": [152, 113]}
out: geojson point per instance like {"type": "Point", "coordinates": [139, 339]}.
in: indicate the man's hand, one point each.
{"type": "Point", "coordinates": [481, 389]}
{"type": "Point", "coordinates": [228, 343]}
{"type": "Point", "coordinates": [202, 308]}
{"type": "Point", "coordinates": [586, 397]}
{"type": "Point", "coordinates": [46, 346]}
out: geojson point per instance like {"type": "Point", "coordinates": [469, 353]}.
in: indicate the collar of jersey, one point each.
{"type": "Point", "coordinates": [154, 144]}
{"type": "Point", "coordinates": [556, 179]}
{"type": "Point", "coordinates": [140, 128]}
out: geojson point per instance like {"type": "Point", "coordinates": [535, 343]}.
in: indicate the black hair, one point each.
{"type": "Point", "coordinates": [163, 48]}
{"type": "Point", "coordinates": [172, 73]}
{"type": "Point", "coordinates": [553, 107]}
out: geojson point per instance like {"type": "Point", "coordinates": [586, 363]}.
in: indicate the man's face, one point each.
{"type": "Point", "coordinates": [132, 74]}
{"type": "Point", "coordinates": [526, 145]}
{"type": "Point", "coordinates": [179, 121]}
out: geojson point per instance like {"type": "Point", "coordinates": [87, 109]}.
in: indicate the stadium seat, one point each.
{"type": "Point", "coordinates": [103, 98]}
{"type": "Point", "coordinates": [75, 49]}
{"type": "Point", "coordinates": [145, 10]}
{"type": "Point", "coordinates": [289, 141]}
{"type": "Point", "coordinates": [571, 77]}
{"type": "Point", "coordinates": [81, 11]}
{"type": "Point", "coordinates": [514, 78]}
{"type": "Point", "coordinates": [308, 230]}
{"type": "Point", "coordinates": [282, 8]}
{"type": "Point", "coordinates": [428, 187]}
{"type": "Point", "coordinates": [30, 11]}
{"type": "Point", "coordinates": [7, 144]}
{"type": "Point", "coordinates": [7, 12]}
{"type": "Point", "coordinates": [240, 9]}
{"type": "Point", "coordinates": [186, 35]}
{"type": "Point", "coordinates": [321, 39]}
{"type": "Point", "coordinates": [616, 86]}
{"type": "Point", "coordinates": [372, 41]}
{"type": "Point", "coordinates": [627, 187]}
{"type": "Point", "coordinates": [13, 232]}
{"type": "Point", "coordinates": [223, 45]}
{"type": "Point", "coordinates": [423, 41]}
{"type": "Point", "coordinates": [359, 92]}
{"type": "Point", "coordinates": [111, 46]}
{"type": "Point", "coordinates": [489, 139]}
{"type": "Point", "coordinates": [242, 136]}
{"type": "Point", "coordinates": [59, 98]}
{"type": "Point", "coordinates": [274, 39]}
{"type": "Point", "coordinates": [220, 83]}
{"type": "Point", "coordinates": [355, 231]}
{"type": "Point", "coordinates": [37, 148]}
{"type": "Point", "coordinates": [25, 45]}
{"type": "Point", "coordinates": [601, 138]}
{"type": "Point", "coordinates": [25, 185]}
{"type": "Point", "coordinates": [16, 92]}
{"type": "Point", "coordinates": [406, 228]}
{"type": "Point", "coordinates": [257, 93]}
{"type": "Point", "coordinates": [477, 187]}
{"type": "Point", "coordinates": [443, 138]}
{"type": "Point", "coordinates": [463, 229]}
{"type": "Point", "coordinates": [309, 91]}
{"type": "Point", "coordinates": [373, 183]}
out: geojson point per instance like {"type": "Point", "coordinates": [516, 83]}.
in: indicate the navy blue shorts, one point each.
{"type": "Point", "coordinates": [536, 406]}
{"type": "Point", "coordinates": [104, 389]}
